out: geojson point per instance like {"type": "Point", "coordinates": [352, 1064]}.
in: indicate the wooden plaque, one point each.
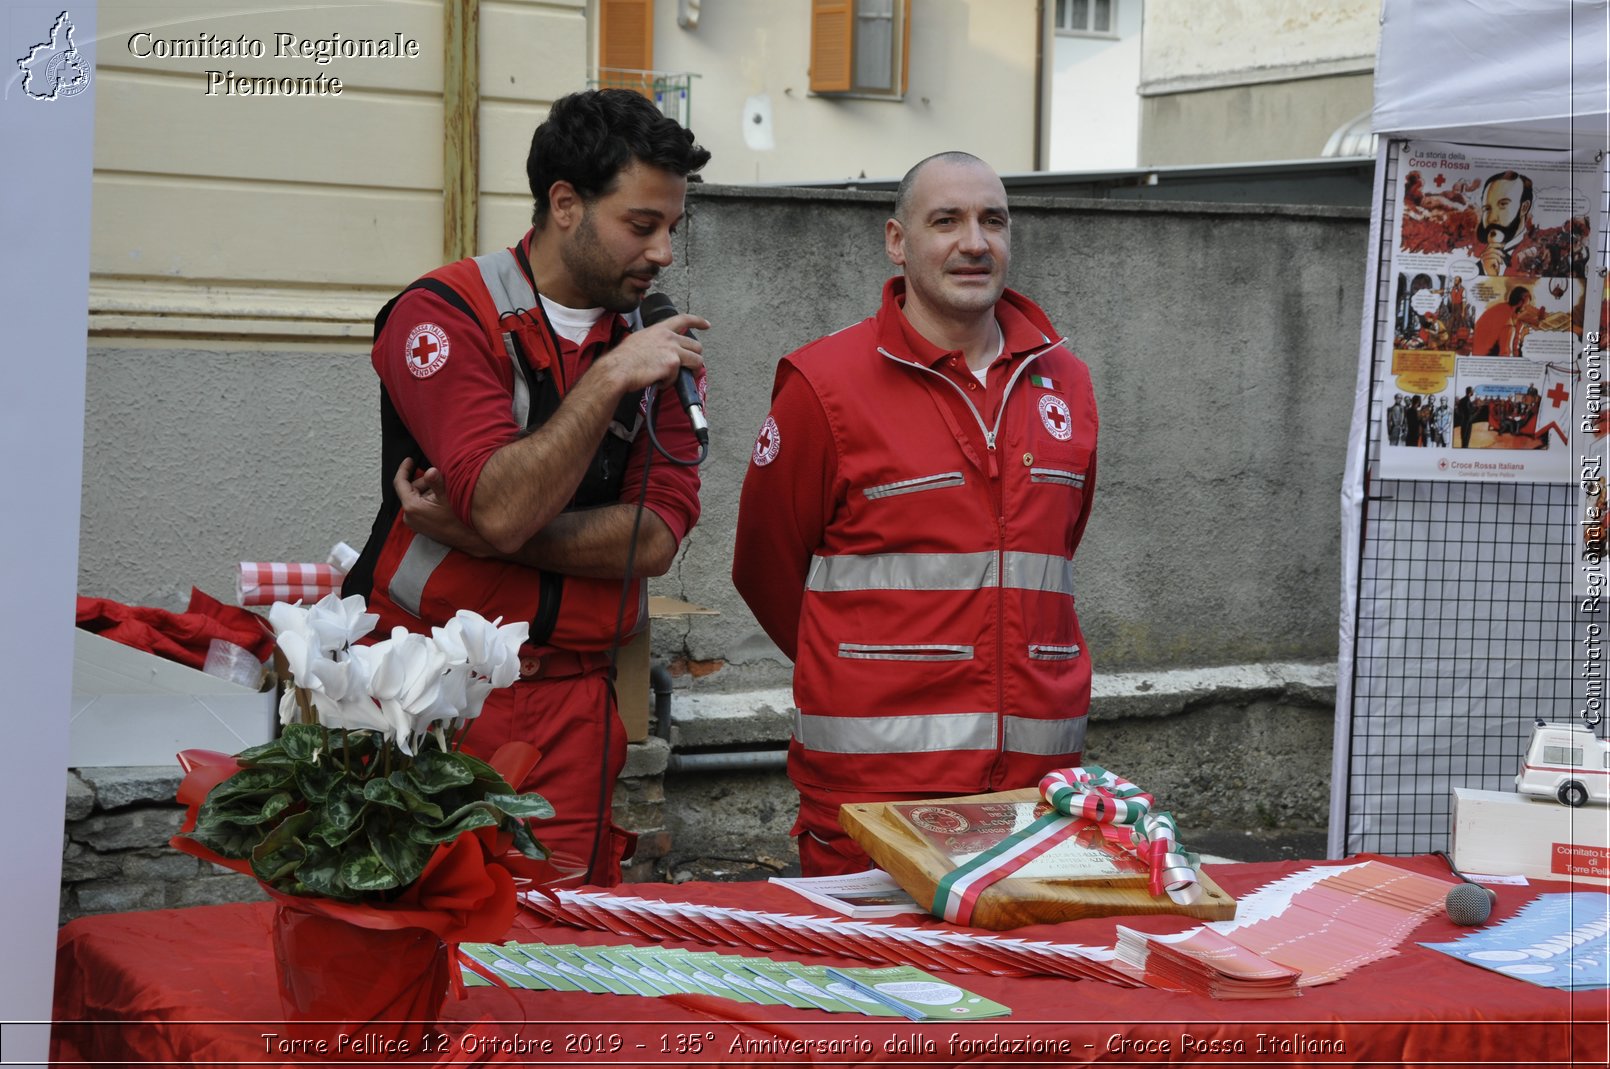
{"type": "Point", "coordinates": [912, 842]}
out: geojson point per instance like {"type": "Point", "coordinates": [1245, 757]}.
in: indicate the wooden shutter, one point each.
{"type": "Point", "coordinates": [832, 45]}
{"type": "Point", "coordinates": [905, 47]}
{"type": "Point", "coordinates": [625, 42]}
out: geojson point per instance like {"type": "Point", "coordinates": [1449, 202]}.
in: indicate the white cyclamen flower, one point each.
{"type": "Point", "coordinates": [341, 692]}
{"type": "Point", "coordinates": [339, 622]}
{"type": "Point", "coordinates": [490, 651]}
{"type": "Point", "coordinates": [406, 677]}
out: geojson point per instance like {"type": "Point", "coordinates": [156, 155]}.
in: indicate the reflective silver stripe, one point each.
{"type": "Point", "coordinates": [522, 391]}
{"type": "Point", "coordinates": [1045, 737]}
{"type": "Point", "coordinates": [936, 732]}
{"type": "Point", "coordinates": [911, 486]}
{"type": "Point", "coordinates": [1055, 475]}
{"type": "Point", "coordinates": [1039, 571]}
{"type": "Point", "coordinates": [907, 652]}
{"type": "Point", "coordinates": [407, 586]}
{"type": "Point", "coordinates": [902, 571]}
{"type": "Point", "coordinates": [1042, 652]}
{"type": "Point", "coordinates": [895, 734]}
{"type": "Point", "coordinates": [510, 292]}
{"type": "Point", "coordinates": [939, 571]}
{"type": "Point", "coordinates": [506, 282]}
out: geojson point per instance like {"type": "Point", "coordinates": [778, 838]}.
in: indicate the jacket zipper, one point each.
{"type": "Point", "coordinates": [990, 436]}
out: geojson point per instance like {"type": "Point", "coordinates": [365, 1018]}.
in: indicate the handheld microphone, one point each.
{"type": "Point", "coordinates": [1470, 903]}
{"type": "Point", "coordinates": [656, 308]}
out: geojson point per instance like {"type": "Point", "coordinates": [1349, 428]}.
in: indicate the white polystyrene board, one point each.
{"type": "Point", "coordinates": [130, 707]}
{"type": "Point", "coordinates": [102, 666]}
{"type": "Point", "coordinates": [151, 729]}
{"type": "Point", "coordinates": [1494, 72]}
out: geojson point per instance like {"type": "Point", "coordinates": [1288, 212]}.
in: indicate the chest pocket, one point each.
{"type": "Point", "coordinates": [1057, 477]}
{"type": "Point", "coordinates": [941, 481]}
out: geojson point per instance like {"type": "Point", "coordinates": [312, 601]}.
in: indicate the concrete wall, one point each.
{"type": "Point", "coordinates": [1221, 341]}
{"type": "Point", "coordinates": [1285, 120]}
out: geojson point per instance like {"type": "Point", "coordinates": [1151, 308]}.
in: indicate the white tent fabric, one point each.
{"type": "Point", "coordinates": [1520, 73]}
{"type": "Point", "coordinates": [1495, 72]}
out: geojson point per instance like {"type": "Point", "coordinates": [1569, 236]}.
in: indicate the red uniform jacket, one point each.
{"type": "Point", "coordinates": [907, 537]}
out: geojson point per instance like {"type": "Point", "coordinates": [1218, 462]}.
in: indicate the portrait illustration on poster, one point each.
{"type": "Point", "coordinates": [1489, 311]}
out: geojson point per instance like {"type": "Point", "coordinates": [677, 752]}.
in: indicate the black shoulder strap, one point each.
{"type": "Point", "coordinates": [396, 443]}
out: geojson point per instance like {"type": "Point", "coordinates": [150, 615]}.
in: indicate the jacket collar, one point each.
{"type": "Point", "coordinates": [1025, 326]}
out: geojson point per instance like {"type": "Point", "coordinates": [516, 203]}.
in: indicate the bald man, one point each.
{"type": "Point", "coordinates": [908, 523]}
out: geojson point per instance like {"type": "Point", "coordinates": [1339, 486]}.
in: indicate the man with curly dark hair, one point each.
{"type": "Point", "coordinates": [516, 481]}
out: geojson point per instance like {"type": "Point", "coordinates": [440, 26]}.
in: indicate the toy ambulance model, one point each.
{"type": "Point", "coordinates": [1566, 762]}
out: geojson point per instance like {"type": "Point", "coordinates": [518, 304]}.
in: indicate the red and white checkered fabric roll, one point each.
{"type": "Point", "coordinates": [265, 582]}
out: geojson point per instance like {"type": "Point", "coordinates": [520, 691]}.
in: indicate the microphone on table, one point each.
{"type": "Point", "coordinates": [656, 308]}
{"type": "Point", "coordinates": [1470, 903]}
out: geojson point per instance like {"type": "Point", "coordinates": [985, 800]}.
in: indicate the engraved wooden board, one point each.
{"type": "Point", "coordinates": [918, 866]}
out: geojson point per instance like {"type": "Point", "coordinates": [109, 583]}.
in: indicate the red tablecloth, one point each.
{"type": "Point", "coordinates": [198, 986]}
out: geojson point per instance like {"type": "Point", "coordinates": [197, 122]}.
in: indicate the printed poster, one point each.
{"type": "Point", "coordinates": [1490, 311]}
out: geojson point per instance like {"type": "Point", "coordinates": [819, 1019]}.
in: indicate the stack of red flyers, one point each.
{"type": "Point", "coordinates": [1204, 962]}
{"type": "Point", "coordinates": [1352, 916]}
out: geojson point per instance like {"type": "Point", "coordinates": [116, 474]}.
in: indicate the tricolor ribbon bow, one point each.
{"type": "Point", "coordinates": [1092, 793]}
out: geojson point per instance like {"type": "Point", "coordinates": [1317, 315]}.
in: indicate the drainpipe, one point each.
{"type": "Point", "coordinates": [1040, 66]}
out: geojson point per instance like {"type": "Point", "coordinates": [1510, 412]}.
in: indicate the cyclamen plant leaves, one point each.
{"type": "Point", "coordinates": [330, 812]}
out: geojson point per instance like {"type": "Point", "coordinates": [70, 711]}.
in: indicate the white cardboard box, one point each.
{"type": "Point", "coordinates": [131, 707]}
{"type": "Point", "coordinates": [1508, 834]}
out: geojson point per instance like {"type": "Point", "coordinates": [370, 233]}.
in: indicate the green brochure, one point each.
{"type": "Point", "coordinates": [511, 968]}
{"type": "Point", "coordinates": [565, 967]}
{"type": "Point", "coordinates": [769, 977]}
{"type": "Point", "coordinates": [676, 972]}
{"type": "Point", "coordinates": [918, 995]}
{"type": "Point", "coordinates": [835, 994]}
{"type": "Point", "coordinates": [529, 955]}
{"type": "Point", "coordinates": [742, 980]}
{"type": "Point", "coordinates": [638, 967]}
{"type": "Point", "coordinates": [700, 965]}
{"type": "Point", "coordinates": [625, 980]}
{"type": "Point", "coordinates": [587, 972]}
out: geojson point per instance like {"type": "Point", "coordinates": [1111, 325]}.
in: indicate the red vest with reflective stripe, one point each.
{"type": "Point", "coordinates": [420, 583]}
{"type": "Point", "coordinates": [938, 647]}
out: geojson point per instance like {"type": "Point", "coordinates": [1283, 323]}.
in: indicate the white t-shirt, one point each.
{"type": "Point", "coordinates": [982, 373]}
{"type": "Point", "coordinates": [572, 324]}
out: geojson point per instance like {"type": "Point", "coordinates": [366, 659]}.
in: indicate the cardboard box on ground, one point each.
{"type": "Point", "coordinates": [130, 707]}
{"type": "Point", "coordinates": [632, 665]}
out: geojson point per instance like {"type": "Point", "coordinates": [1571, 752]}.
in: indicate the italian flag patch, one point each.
{"type": "Point", "coordinates": [1043, 383]}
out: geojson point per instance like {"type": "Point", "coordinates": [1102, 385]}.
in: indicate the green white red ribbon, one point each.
{"type": "Point", "coordinates": [1124, 811]}
{"type": "Point", "coordinates": [1088, 793]}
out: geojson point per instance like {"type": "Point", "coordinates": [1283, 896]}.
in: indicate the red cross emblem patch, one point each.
{"type": "Point", "coordinates": [426, 350]}
{"type": "Point", "coordinates": [1054, 414]}
{"type": "Point", "coordinates": [769, 442]}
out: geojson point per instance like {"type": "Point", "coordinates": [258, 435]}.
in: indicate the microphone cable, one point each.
{"type": "Point", "coordinates": [606, 789]}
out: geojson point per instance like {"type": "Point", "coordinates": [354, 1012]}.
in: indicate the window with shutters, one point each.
{"type": "Point", "coordinates": [859, 47]}
{"type": "Point", "coordinates": [626, 44]}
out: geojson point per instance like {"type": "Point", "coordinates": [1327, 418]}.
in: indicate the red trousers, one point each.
{"type": "Point", "coordinates": [568, 719]}
{"type": "Point", "coordinates": [824, 848]}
